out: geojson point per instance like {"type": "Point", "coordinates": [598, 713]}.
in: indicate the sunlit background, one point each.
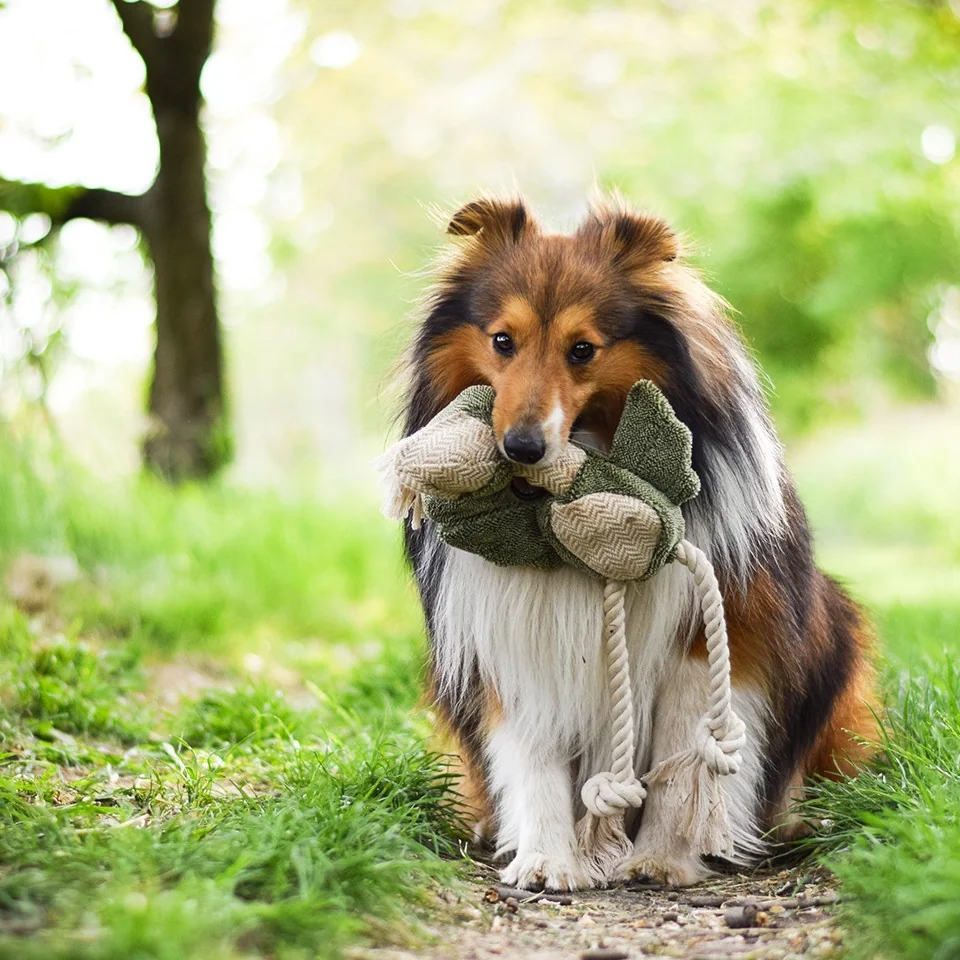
{"type": "Point", "coordinates": [807, 151]}
{"type": "Point", "coordinates": [230, 667]}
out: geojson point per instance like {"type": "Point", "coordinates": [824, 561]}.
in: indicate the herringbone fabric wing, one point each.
{"type": "Point", "coordinates": [448, 457]}
{"type": "Point", "coordinates": [612, 534]}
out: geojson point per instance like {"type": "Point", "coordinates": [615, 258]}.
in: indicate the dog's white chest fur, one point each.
{"type": "Point", "coordinates": [537, 639]}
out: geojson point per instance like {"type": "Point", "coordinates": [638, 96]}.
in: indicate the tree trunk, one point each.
{"type": "Point", "coordinates": [188, 436]}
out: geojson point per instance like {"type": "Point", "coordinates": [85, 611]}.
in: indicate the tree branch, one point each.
{"type": "Point", "coordinates": [137, 21]}
{"type": "Point", "coordinates": [193, 33]}
{"type": "Point", "coordinates": [61, 204]}
{"type": "Point", "coordinates": [108, 206]}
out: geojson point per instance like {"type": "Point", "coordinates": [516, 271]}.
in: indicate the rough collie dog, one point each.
{"type": "Point", "coordinates": [561, 326]}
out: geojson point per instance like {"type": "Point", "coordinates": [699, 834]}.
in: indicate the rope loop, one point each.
{"type": "Point", "coordinates": [721, 755]}
{"type": "Point", "coordinates": [604, 795]}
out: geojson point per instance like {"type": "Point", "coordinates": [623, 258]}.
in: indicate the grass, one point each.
{"type": "Point", "coordinates": [259, 814]}
{"type": "Point", "coordinates": [209, 565]}
{"type": "Point", "coordinates": [894, 834]}
{"type": "Point", "coordinates": [237, 824]}
{"type": "Point", "coordinates": [890, 523]}
{"type": "Point", "coordinates": [210, 747]}
{"type": "Point", "coordinates": [60, 683]}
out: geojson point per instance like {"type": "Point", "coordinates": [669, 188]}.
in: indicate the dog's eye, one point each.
{"type": "Point", "coordinates": [503, 344]}
{"type": "Point", "coordinates": [582, 352]}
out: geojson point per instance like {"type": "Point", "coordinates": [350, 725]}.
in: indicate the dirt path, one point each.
{"type": "Point", "coordinates": [785, 915]}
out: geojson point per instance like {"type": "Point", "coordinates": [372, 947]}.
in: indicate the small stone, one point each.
{"type": "Point", "coordinates": [605, 953]}
{"type": "Point", "coordinates": [671, 915]}
{"type": "Point", "coordinates": [705, 900]}
{"type": "Point", "coordinates": [738, 918]}
{"type": "Point", "coordinates": [511, 905]}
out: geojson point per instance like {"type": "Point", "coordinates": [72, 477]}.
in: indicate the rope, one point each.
{"type": "Point", "coordinates": [721, 734]}
{"type": "Point", "coordinates": [692, 777]}
{"type": "Point", "coordinates": [607, 796]}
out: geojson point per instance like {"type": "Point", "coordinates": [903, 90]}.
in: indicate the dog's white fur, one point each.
{"type": "Point", "coordinates": [536, 637]}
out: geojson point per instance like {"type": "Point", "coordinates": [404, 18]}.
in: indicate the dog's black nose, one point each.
{"type": "Point", "coordinates": [525, 446]}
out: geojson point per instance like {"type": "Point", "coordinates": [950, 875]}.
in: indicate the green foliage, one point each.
{"type": "Point", "coordinates": [335, 849]}
{"type": "Point", "coordinates": [201, 564]}
{"type": "Point", "coordinates": [198, 565]}
{"type": "Point", "coordinates": [904, 874]}
{"type": "Point", "coordinates": [921, 760]}
{"type": "Point", "coordinates": [28, 505]}
{"type": "Point", "coordinates": [390, 681]}
{"type": "Point", "coordinates": [223, 718]}
{"type": "Point", "coordinates": [822, 296]}
{"type": "Point", "coordinates": [890, 522]}
{"type": "Point", "coordinates": [62, 684]}
{"type": "Point", "coordinates": [754, 128]}
{"type": "Point", "coordinates": [897, 830]}
{"type": "Point", "coordinates": [256, 817]}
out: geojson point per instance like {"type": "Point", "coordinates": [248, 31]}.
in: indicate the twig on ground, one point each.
{"type": "Point", "coordinates": [500, 892]}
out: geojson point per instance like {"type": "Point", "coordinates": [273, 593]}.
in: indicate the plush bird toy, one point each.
{"type": "Point", "coordinates": [616, 517]}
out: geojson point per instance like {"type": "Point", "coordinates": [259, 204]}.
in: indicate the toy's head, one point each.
{"type": "Point", "coordinates": [615, 515]}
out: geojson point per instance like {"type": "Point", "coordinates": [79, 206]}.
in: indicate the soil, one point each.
{"type": "Point", "coordinates": [774, 916]}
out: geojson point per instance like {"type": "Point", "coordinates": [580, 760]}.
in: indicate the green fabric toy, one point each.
{"type": "Point", "coordinates": [633, 495]}
{"type": "Point", "coordinates": [618, 518]}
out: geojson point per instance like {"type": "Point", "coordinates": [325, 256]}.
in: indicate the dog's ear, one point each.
{"type": "Point", "coordinates": [491, 218]}
{"type": "Point", "coordinates": [633, 240]}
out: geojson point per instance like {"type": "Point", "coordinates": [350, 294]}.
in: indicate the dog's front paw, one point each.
{"type": "Point", "coordinates": [538, 871]}
{"type": "Point", "coordinates": [679, 872]}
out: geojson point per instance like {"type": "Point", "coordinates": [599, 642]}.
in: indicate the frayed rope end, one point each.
{"type": "Point", "coordinates": [604, 843]}
{"type": "Point", "coordinates": [692, 781]}
{"type": "Point", "coordinates": [399, 500]}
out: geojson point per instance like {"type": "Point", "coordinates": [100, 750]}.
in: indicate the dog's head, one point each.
{"type": "Point", "coordinates": [561, 326]}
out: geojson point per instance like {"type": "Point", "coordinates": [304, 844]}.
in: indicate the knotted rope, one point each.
{"type": "Point", "coordinates": [693, 775]}
{"type": "Point", "coordinates": [601, 833]}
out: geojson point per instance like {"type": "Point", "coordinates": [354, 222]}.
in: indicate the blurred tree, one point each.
{"type": "Point", "coordinates": [790, 140]}
{"type": "Point", "coordinates": [188, 436]}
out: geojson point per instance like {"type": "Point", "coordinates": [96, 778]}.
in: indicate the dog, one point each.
{"type": "Point", "coordinates": [561, 326]}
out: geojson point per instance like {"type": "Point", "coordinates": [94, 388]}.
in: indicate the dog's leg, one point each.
{"type": "Point", "coordinates": [533, 787]}
{"type": "Point", "coordinates": [660, 852]}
